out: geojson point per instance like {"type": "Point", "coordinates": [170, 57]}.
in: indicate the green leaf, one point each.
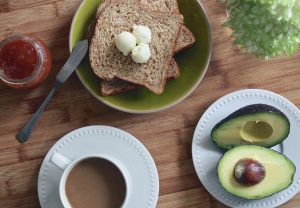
{"type": "Point", "coordinates": [266, 28]}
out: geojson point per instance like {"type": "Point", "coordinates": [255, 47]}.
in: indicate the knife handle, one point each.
{"type": "Point", "coordinates": [25, 132]}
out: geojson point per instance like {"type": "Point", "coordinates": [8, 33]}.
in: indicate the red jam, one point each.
{"type": "Point", "coordinates": [18, 59]}
{"type": "Point", "coordinates": [25, 61]}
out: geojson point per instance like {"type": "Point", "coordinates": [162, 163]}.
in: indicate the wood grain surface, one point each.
{"type": "Point", "coordinates": [167, 134]}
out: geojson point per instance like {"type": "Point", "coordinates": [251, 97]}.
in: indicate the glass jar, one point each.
{"type": "Point", "coordinates": [25, 61]}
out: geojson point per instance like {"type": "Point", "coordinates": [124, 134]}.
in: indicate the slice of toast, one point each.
{"type": "Point", "coordinates": [107, 62]}
{"type": "Point", "coordinates": [186, 37]}
{"type": "Point", "coordinates": [116, 86]}
{"type": "Point", "coordinates": [173, 70]}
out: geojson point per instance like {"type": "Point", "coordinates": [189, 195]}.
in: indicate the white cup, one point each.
{"type": "Point", "coordinates": [67, 165]}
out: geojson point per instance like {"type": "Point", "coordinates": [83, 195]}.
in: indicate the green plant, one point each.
{"type": "Point", "coordinates": [266, 28]}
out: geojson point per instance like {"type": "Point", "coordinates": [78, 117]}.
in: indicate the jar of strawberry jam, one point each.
{"type": "Point", "coordinates": [25, 61]}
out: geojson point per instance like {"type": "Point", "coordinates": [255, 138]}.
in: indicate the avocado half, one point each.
{"type": "Point", "coordinates": [257, 124]}
{"type": "Point", "coordinates": [279, 172]}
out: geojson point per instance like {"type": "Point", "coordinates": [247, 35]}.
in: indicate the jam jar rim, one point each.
{"type": "Point", "coordinates": [38, 68]}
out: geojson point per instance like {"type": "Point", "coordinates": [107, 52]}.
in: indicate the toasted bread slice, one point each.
{"type": "Point", "coordinates": [186, 37]}
{"type": "Point", "coordinates": [116, 86]}
{"type": "Point", "coordinates": [173, 70]}
{"type": "Point", "coordinates": [107, 62]}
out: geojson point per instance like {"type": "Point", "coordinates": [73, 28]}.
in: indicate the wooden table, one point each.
{"type": "Point", "coordinates": [167, 134]}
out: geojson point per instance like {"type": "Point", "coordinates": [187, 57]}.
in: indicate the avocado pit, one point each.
{"type": "Point", "coordinates": [256, 130]}
{"type": "Point", "coordinates": [249, 172]}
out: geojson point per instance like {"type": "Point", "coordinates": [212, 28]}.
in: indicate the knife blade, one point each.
{"type": "Point", "coordinates": [69, 67]}
{"type": "Point", "coordinates": [74, 60]}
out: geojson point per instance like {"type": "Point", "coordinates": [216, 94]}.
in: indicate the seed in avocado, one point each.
{"type": "Point", "coordinates": [249, 172]}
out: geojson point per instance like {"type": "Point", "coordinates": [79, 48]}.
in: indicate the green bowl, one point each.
{"type": "Point", "coordinates": [192, 62]}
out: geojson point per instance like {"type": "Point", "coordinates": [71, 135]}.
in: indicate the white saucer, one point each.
{"type": "Point", "coordinates": [110, 142]}
{"type": "Point", "coordinates": [206, 155]}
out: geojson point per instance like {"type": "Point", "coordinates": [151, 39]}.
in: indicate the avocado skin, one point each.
{"type": "Point", "coordinates": [249, 109]}
{"type": "Point", "coordinates": [259, 197]}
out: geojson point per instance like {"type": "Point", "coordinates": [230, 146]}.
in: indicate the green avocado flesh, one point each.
{"type": "Point", "coordinates": [279, 172]}
{"type": "Point", "coordinates": [258, 124]}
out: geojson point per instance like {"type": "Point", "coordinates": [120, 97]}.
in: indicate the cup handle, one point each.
{"type": "Point", "coordinates": [60, 161]}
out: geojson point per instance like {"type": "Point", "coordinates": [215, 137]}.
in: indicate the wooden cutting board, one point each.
{"type": "Point", "coordinates": [167, 134]}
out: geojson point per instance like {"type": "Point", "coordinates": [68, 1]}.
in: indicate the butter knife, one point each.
{"type": "Point", "coordinates": [72, 63]}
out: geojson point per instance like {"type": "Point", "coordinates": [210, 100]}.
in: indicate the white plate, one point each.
{"type": "Point", "coordinates": [206, 155]}
{"type": "Point", "coordinates": [111, 142]}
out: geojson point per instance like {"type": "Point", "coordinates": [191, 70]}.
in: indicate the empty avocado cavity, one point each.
{"type": "Point", "coordinates": [256, 130]}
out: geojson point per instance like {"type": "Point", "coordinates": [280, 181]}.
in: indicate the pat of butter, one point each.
{"type": "Point", "coordinates": [125, 42]}
{"type": "Point", "coordinates": [142, 34]}
{"type": "Point", "coordinates": [141, 53]}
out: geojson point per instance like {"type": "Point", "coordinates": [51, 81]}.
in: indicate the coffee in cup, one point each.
{"type": "Point", "coordinates": [90, 181]}
{"type": "Point", "coordinates": [95, 183]}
